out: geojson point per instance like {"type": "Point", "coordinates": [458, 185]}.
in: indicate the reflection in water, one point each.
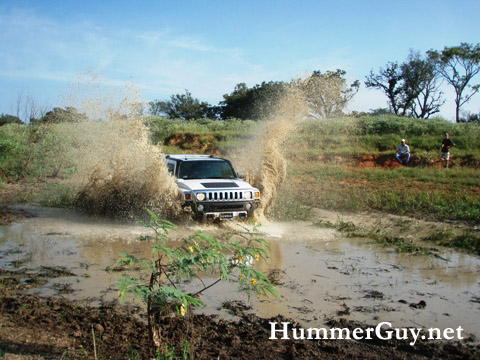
{"type": "Point", "coordinates": [319, 273]}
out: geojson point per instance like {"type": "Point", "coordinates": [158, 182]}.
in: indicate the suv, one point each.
{"type": "Point", "coordinates": [212, 188]}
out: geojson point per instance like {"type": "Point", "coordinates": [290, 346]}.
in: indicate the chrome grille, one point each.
{"type": "Point", "coordinates": [223, 195]}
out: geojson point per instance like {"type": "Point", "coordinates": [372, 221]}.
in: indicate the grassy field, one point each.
{"type": "Point", "coordinates": [323, 167]}
{"type": "Point", "coordinates": [322, 157]}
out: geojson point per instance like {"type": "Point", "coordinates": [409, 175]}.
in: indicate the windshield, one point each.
{"type": "Point", "coordinates": [206, 170]}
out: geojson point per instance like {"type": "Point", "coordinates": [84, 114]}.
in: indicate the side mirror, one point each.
{"type": "Point", "coordinates": [241, 175]}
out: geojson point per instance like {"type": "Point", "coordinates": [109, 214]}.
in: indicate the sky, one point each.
{"type": "Point", "coordinates": [207, 47]}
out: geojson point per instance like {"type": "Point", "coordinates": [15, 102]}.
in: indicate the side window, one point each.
{"type": "Point", "coordinates": [171, 168]}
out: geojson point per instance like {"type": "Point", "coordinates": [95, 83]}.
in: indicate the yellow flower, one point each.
{"type": "Point", "coordinates": [253, 282]}
{"type": "Point", "coordinates": [190, 248]}
{"type": "Point", "coordinates": [183, 311]}
{"type": "Point", "coordinates": [195, 242]}
{"type": "Point", "coordinates": [239, 258]}
{"type": "Point", "coordinates": [256, 257]}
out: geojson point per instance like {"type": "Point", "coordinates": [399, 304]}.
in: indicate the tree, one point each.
{"type": "Point", "coordinates": [28, 109]}
{"type": "Point", "coordinates": [251, 103]}
{"type": "Point", "coordinates": [412, 88]}
{"type": "Point", "coordinates": [422, 84]}
{"type": "Point", "coordinates": [9, 119]}
{"type": "Point", "coordinates": [390, 81]}
{"type": "Point", "coordinates": [327, 93]}
{"type": "Point", "coordinates": [156, 107]}
{"type": "Point", "coordinates": [459, 65]}
{"type": "Point", "coordinates": [59, 115]}
{"type": "Point", "coordinates": [181, 106]}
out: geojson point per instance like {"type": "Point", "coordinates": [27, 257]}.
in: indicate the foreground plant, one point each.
{"type": "Point", "coordinates": [173, 266]}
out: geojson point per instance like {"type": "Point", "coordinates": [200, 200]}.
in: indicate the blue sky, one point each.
{"type": "Point", "coordinates": [165, 47]}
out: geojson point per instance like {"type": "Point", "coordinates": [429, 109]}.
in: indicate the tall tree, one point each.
{"type": "Point", "coordinates": [328, 93]}
{"type": "Point", "coordinates": [459, 65]}
{"type": "Point", "coordinates": [422, 83]}
{"type": "Point", "coordinates": [389, 80]}
{"type": "Point", "coordinates": [412, 87]}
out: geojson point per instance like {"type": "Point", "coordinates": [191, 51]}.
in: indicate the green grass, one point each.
{"type": "Point", "coordinates": [319, 174]}
{"type": "Point", "coordinates": [448, 194]}
{"type": "Point", "coordinates": [48, 195]}
{"type": "Point", "coordinates": [469, 240]}
{"type": "Point", "coordinates": [57, 195]}
{"type": "Point", "coordinates": [376, 135]}
{"type": "Point", "coordinates": [379, 236]}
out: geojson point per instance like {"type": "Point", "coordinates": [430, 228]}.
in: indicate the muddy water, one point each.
{"type": "Point", "coordinates": [319, 273]}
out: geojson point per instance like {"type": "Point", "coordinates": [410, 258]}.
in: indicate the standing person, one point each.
{"type": "Point", "coordinates": [445, 150]}
{"type": "Point", "coordinates": [403, 153]}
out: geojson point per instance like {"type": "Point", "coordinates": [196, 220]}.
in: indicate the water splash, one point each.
{"type": "Point", "coordinates": [262, 158]}
{"type": "Point", "coordinates": [120, 171]}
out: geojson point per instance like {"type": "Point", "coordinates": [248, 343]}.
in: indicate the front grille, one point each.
{"type": "Point", "coordinates": [224, 195]}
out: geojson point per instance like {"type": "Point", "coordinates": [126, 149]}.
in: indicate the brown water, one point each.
{"type": "Point", "coordinates": [319, 273]}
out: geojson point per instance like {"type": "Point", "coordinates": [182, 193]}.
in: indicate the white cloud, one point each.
{"type": "Point", "coordinates": [161, 61]}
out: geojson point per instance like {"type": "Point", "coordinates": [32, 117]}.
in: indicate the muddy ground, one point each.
{"type": "Point", "coordinates": [56, 284]}
{"type": "Point", "coordinates": [52, 328]}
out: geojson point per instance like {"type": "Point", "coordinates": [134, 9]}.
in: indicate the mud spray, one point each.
{"type": "Point", "coordinates": [263, 159]}
{"type": "Point", "coordinates": [121, 173]}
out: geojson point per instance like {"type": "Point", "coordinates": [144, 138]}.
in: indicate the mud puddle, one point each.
{"type": "Point", "coordinates": [319, 274]}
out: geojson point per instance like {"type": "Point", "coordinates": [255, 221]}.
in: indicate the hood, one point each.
{"type": "Point", "coordinates": [213, 184]}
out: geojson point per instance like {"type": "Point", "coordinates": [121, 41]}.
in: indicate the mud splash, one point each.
{"type": "Point", "coordinates": [120, 172]}
{"type": "Point", "coordinates": [129, 174]}
{"type": "Point", "coordinates": [262, 158]}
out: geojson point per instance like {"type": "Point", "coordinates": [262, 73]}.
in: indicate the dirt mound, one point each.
{"type": "Point", "coordinates": [54, 328]}
{"type": "Point", "coordinates": [195, 142]}
{"type": "Point", "coordinates": [384, 161]}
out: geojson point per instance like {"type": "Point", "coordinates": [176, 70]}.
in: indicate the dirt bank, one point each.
{"type": "Point", "coordinates": [36, 328]}
{"type": "Point", "coordinates": [388, 161]}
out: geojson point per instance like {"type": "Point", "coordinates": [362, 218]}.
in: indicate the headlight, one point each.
{"type": "Point", "coordinates": [248, 195]}
{"type": "Point", "coordinates": [200, 196]}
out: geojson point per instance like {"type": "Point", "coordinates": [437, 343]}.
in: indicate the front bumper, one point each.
{"type": "Point", "coordinates": [224, 209]}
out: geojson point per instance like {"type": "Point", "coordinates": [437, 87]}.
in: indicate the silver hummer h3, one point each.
{"type": "Point", "coordinates": [212, 188]}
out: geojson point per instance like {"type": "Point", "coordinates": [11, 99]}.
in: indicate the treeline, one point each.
{"type": "Point", "coordinates": [327, 94]}
{"type": "Point", "coordinates": [412, 89]}
{"type": "Point", "coordinates": [54, 116]}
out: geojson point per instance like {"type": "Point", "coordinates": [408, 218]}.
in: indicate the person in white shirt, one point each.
{"type": "Point", "coordinates": [403, 153]}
